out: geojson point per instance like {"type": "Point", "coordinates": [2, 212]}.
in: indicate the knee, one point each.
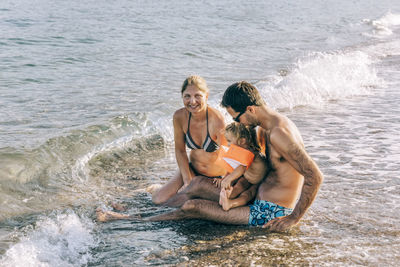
{"type": "Point", "coordinates": [195, 186]}
{"type": "Point", "coordinates": [194, 183]}
{"type": "Point", "coordinates": [158, 199]}
{"type": "Point", "coordinates": [196, 180]}
{"type": "Point", "coordinates": [199, 182]}
{"type": "Point", "coordinates": [190, 205]}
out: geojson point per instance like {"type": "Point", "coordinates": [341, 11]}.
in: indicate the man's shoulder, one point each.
{"type": "Point", "coordinates": [279, 132]}
{"type": "Point", "coordinates": [284, 138]}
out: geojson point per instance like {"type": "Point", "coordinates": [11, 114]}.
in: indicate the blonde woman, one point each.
{"type": "Point", "coordinates": [200, 128]}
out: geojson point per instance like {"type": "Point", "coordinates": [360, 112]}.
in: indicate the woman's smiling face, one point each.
{"type": "Point", "coordinates": [194, 99]}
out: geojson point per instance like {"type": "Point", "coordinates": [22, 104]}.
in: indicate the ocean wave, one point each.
{"type": "Point", "coordinates": [62, 239]}
{"type": "Point", "coordinates": [66, 167]}
{"type": "Point", "coordinates": [383, 26]}
{"type": "Point", "coordinates": [320, 77]}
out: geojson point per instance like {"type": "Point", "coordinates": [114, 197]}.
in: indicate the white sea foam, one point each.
{"type": "Point", "coordinates": [383, 26]}
{"type": "Point", "coordinates": [384, 49]}
{"type": "Point", "coordinates": [63, 240]}
{"type": "Point", "coordinates": [320, 77]}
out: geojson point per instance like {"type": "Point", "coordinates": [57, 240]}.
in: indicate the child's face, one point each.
{"type": "Point", "coordinates": [231, 139]}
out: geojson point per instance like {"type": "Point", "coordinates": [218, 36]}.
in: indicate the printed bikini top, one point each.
{"type": "Point", "coordinates": [209, 145]}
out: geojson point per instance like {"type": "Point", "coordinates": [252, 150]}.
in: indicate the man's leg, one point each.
{"type": "Point", "coordinates": [106, 216]}
{"type": "Point", "coordinates": [200, 187]}
{"type": "Point", "coordinates": [244, 198]}
{"type": "Point", "coordinates": [206, 210]}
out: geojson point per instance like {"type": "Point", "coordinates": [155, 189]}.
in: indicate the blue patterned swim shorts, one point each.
{"type": "Point", "coordinates": [262, 211]}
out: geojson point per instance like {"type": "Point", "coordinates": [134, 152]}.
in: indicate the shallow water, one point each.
{"type": "Point", "coordinates": [87, 93]}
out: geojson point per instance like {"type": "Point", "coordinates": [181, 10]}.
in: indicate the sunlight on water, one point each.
{"type": "Point", "coordinates": [87, 95]}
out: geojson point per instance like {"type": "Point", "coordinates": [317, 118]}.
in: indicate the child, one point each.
{"type": "Point", "coordinates": [242, 158]}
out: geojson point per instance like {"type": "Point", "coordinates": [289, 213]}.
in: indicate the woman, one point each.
{"type": "Point", "coordinates": [200, 128]}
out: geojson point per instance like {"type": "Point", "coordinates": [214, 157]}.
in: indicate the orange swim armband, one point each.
{"type": "Point", "coordinates": [233, 156]}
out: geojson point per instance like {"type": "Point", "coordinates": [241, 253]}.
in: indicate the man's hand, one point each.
{"type": "Point", "coordinates": [280, 224]}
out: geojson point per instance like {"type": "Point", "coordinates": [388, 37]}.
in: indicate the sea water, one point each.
{"type": "Point", "coordinates": [87, 93]}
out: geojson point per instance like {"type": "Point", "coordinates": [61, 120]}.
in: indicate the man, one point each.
{"type": "Point", "coordinates": [291, 186]}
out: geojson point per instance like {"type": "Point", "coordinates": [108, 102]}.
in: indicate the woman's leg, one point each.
{"type": "Point", "coordinates": [168, 190]}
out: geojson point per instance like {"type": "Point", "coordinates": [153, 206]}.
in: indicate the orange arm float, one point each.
{"type": "Point", "coordinates": [234, 157]}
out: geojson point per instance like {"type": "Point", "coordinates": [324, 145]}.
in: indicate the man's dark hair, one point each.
{"type": "Point", "coordinates": [240, 95]}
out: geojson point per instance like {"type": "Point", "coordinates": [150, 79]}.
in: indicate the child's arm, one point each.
{"type": "Point", "coordinates": [257, 170]}
{"type": "Point", "coordinates": [233, 176]}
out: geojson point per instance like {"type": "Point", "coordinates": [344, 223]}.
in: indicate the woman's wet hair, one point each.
{"type": "Point", "coordinates": [240, 95]}
{"type": "Point", "coordinates": [248, 133]}
{"type": "Point", "coordinates": [196, 80]}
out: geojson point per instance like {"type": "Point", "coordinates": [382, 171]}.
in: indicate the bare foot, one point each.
{"type": "Point", "coordinates": [224, 201]}
{"type": "Point", "coordinates": [106, 216]}
{"type": "Point", "coordinates": [228, 192]}
{"type": "Point", "coordinates": [222, 192]}
{"type": "Point", "coordinates": [153, 188]}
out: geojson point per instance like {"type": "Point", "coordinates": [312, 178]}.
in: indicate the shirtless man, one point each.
{"type": "Point", "coordinates": [291, 186]}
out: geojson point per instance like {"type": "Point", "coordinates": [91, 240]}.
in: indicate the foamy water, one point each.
{"type": "Point", "coordinates": [58, 240]}
{"type": "Point", "coordinates": [86, 102]}
{"type": "Point", "coordinates": [383, 26]}
{"type": "Point", "coordinates": [321, 77]}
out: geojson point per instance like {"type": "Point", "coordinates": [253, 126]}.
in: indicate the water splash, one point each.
{"type": "Point", "coordinates": [383, 26]}
{"type": "Point", "coordinates": [63, 239]}
{"type": "Point", "coordinates": [320, 77]}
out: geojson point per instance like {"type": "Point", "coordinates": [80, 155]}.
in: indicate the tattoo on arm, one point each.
{"type": "Point", "coordinates": [302, 160]}
{"type": "Point", "coordinates": [312, 178]}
